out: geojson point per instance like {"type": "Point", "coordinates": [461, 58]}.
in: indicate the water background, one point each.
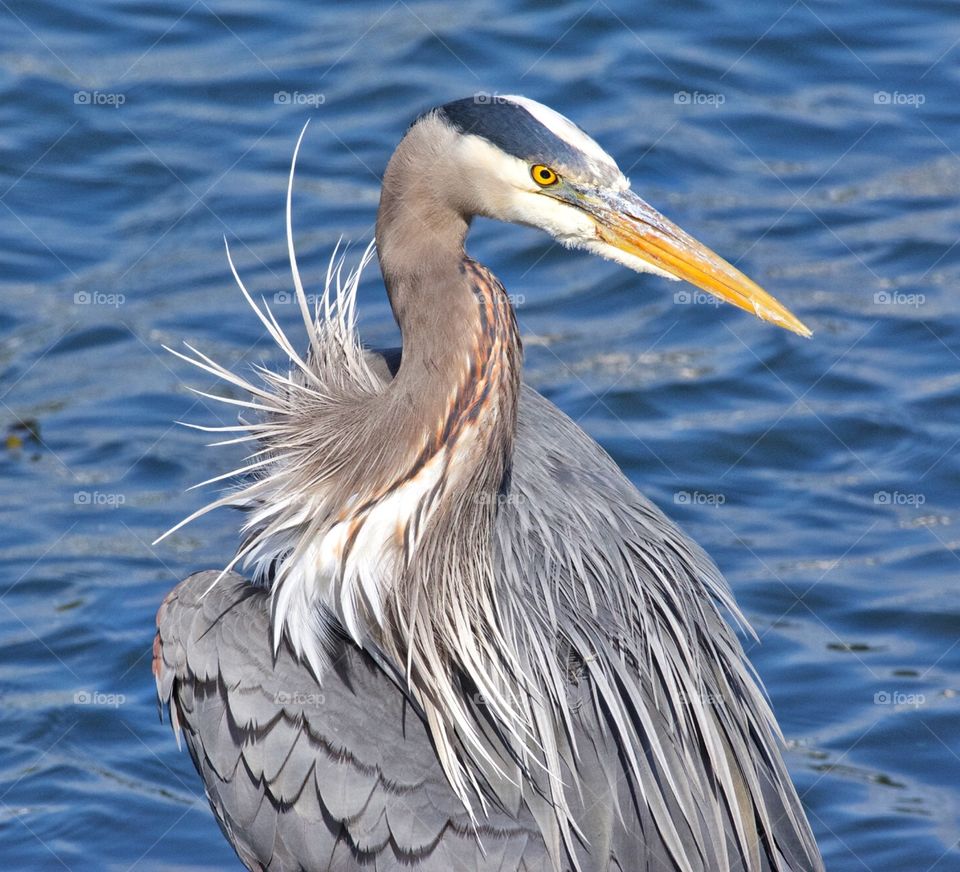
{"type": "Point", "coordinates": [815, 144]}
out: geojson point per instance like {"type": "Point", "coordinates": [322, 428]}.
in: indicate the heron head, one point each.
{"type": "Point", "coordinates": [517, 160]}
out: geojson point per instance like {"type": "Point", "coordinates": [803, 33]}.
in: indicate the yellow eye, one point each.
{"type": "Point", "coordinates": [544, 176]}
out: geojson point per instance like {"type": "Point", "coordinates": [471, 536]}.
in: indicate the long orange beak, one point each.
{"type": "Point", "coordinates": [633, 226]}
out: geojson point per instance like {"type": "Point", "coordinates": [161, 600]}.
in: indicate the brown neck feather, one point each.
{"type": "Point", "coordinates": [460, 374]}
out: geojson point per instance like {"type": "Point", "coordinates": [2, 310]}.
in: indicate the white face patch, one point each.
{"type": "Point", "coordinates": [500, 186]}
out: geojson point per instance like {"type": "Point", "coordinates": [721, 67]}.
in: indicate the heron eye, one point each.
{"type": "Point", "coordinates": [544, 176]}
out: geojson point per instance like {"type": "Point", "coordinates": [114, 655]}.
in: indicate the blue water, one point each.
{"type": "Point", "coordinates": [815, 144]}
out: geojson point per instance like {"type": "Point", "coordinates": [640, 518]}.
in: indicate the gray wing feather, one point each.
{"type": "Point", "coordinates": [344, 776]}
{"type": "Point", "coordinates": [302, 777]}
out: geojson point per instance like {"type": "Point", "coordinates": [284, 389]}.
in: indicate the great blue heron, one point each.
{"type": "Point", "coordinates": [470, 642]}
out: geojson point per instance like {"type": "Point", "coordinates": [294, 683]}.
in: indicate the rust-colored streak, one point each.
{"type": "Point", "coordinates": [356, 522]}
{"type": "Point", "coordinates": [495, 341]}
{"type": "Point", "coordinates": [157, 664]}
{"type": "Point", "coordinates": [494, 353]}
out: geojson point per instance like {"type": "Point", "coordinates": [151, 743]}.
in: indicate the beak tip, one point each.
{"type": "Point", "coordinates": [797, 326]}
{"type": "Point", "coordinates": [782, 317]}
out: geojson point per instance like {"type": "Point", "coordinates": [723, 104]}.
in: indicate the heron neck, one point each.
{"type": "Point", "coordinates": [449, 420]}
{"type": "Point", "coordinates": [457, 387]}
{"type": "Point", "coordinates": [461, 348]}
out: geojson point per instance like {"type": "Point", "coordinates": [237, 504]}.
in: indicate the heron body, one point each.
{"type": "Point", "coordinates": [469, 641]}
